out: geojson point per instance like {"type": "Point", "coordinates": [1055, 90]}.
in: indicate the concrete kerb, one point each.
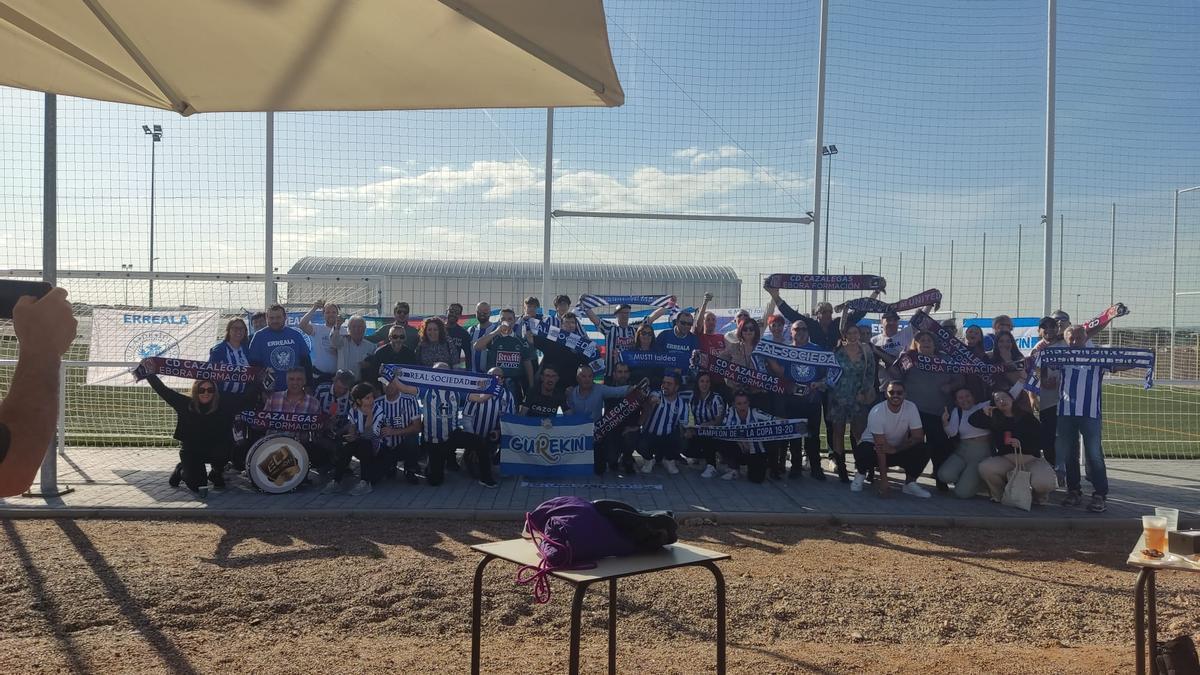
{"type": "Point", "coordinates": [686, 518]}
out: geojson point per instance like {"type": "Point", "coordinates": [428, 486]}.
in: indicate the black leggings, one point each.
{"type": "Point", "coordinates": [913, 459]}
{"type": "Point", "coordinates": [935, 439]}
{"type": "Point", "coordinates": [193, 456]}
{"type": "Point", "coordinates": [372, 461]}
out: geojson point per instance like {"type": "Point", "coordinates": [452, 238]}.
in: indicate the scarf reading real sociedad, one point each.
{"type": "Point", "coordinates": [955, 351]}
{"type": "Point", "coordinates": [199, 370]}
{"type": "Point", "coordinates": [826, 282]}
{"type": "Point", "coordinates": [800, 363]}
{"type": "Point", "coordinates": [281, 421]}
{"type": "Point", "coordinates": [575, 342]}
{"type": "Point", "coordinates": [588, 301]}
{"type": "Point", "coordinates": [442, 378]}
{"type": "Point", "coordinates": [876, 306]}
{"type": "Point", "coordinates": [1102, 357]}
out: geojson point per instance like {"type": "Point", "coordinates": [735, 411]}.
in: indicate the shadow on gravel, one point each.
{"type": "Point", "coordinates": [174, 660]}
{"type": "Point", "coordinates": [350, 537]}
{"type": "Point", "coordinates": [45, 603]}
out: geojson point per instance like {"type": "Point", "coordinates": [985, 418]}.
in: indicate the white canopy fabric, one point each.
{"type": "Point", "coordinates": [262, 55]}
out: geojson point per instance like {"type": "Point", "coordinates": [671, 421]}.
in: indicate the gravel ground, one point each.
{"type": "Point", "coordinates": [353, 596]}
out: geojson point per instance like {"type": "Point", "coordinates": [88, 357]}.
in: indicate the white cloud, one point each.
{"type": "Point", "coordinates": [494, 180]}
{"type": "Point", "coordinates": [648, 189]}
{"type": "Point", "coordinates": [699, 156]}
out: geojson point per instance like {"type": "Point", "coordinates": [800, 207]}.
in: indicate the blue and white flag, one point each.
{"type": "Point", "coordinates": [442, 378]}
{"type": "Point", "coordinates": [800, 363]}
{"type": "Point", "coordinates": [575, 342]}
{"type": "Point", "coordinates": [557, 446]}
{"type": "Point", "coordinates": [652, 359]}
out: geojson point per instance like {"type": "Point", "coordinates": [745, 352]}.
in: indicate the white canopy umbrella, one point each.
{"type": "Point", "coordinates": [275, 55]}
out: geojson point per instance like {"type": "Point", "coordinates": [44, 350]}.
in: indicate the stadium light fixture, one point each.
{"type": "Point", "coordinates": [828, 151]}
{"type": "Point", "coordinates": [155, 134]}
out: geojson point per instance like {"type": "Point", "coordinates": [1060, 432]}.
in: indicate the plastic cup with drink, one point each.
{"type": "Point", "coordinates": [1155, 528]}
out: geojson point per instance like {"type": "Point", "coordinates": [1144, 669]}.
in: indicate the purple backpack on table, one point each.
{"type": "Point", "coordinates": [570, 534]}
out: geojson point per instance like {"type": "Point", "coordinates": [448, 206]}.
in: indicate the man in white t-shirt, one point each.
{"type": "Point", "coordinates": [892, 339]}
{"type": "Point", "coordinates": [894, 437]}
{"type": "Point", "coordinates": [324, 353]}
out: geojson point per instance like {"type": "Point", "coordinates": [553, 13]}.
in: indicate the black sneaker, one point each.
{"type": "Point", "coordinates": [411, 477]}
{"type": "Point", "coordinates": [776, 474]}
{"type": "Point", "coordinates": [627, 468]}
{"type": "Point", "coordinates": [1097, 504]}
{"type": "Point", "coordinates": [943, 486]}
{"type": "Point", "coordinates": [817, 472]}
{"type": "Point", "coordinates": [488, 483]}
{"type": "Point", "coordinates": [796, 471]}
{"type": "Point", "coordinates": [217, 477]}
{"type": "Point", "coordinates": [1073, 498]}
{"type": "Point", "coordinates": [176, 476]}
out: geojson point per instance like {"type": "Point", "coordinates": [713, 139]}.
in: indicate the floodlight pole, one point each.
{"type": "Point", "coordinates": [1048, 209]}
{"type": "Point", "coordinates": [820, 139]}
{"type": "Point", "coordinates": [1175, 270]}
{"type": "Point", "coordinates": [547, 207]}
{"type": "Point", "coordinates": [1020, 234]}
{"type": "Point", "coordinates": [269, 290]}
{"type": "Point", "coordinates": [155, 135]}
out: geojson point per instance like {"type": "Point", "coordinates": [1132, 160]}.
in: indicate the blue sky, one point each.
{"type": "Point", "coordinates": [937, 108]}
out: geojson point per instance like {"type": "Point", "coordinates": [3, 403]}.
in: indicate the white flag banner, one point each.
{"type": "Point", "coordinates": [133, 335]}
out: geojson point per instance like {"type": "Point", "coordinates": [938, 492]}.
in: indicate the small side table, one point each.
{"type": "Point", "coordinates": [523, 552]}
{"type": "Point", "coordinates": [1145, 615]}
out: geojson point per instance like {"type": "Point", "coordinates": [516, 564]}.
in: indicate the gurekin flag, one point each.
{"type": "Point", "coordinates": [552, 447]}
{"type": "Point", "coordinates": [127, 336]}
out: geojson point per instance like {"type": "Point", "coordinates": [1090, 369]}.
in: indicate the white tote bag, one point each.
{"type": "Point", "coordinates": [1018, 491]}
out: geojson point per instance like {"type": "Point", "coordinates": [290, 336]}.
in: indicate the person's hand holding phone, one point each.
{"type": "Point", "coordinates": [46, 326]}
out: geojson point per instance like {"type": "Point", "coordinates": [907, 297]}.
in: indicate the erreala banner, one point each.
{"type": "Point", "coordinates": [128, 336]}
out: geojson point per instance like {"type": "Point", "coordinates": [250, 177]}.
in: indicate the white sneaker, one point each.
{"type": "Point", "coordinates": [856, 485]}
{"type": "Point", "coordinates": [360, 488]}
{"type": "Point", "coordinates": [914, 490]}
{"type": "Point", "coordinates": [709, 471]}
{"type": "Point", "coordinates": [671, 468]}
{"type": "Point", "coordinates": [730, 475]}
{"type": "Point", "coordinates": [647, 466]}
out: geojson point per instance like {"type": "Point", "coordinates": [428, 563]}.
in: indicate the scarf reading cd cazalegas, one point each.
{"type": "Point", "coordinates": [826, 282]}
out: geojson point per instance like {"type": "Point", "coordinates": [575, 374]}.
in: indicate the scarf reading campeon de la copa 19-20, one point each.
{"type": "Point", "coordinates": [874, 305]}
{"type": "Point", "coordinates": [442, 378]}
{"type": "Point", "coordinates": [953, 349]}
{"type": "Point", "coordinates": [799, 363]}
{"type": "Point", "coordinates": [589, 301]}
{"type": "Point", "coordinates": [1097, 357]}
{"type": "Point", "coordinates": [826, 282]}
{"type": "Point", "coordinates": [198, 370]}
{"type": "Point", "coordinates": [575, 342]}
{"type": "Point", "coordinates": [773, 430]}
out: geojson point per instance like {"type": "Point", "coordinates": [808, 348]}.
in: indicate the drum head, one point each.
{"type": "Point", "coordinates": [277, 464]}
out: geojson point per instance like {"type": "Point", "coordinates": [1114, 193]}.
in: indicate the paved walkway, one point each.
{"type": "Point", "coordinates": [133, 482]}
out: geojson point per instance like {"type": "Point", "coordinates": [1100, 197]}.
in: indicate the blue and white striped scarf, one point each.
{"type": "Point", "coordinates": [573, 341]}
{"type": "Point", "coordinates": [1102, 357]}
{"type": "Point", "coordinates": [588, 301]}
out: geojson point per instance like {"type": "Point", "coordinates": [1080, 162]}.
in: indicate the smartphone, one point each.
{"type": "Point", "coordinates": [1008, 437]}
{"type": "Point", "coordinates": [11, 291]}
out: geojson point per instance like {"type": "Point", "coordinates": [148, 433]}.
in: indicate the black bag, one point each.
{"type": "Point", "coordinates": [1177, 657]}
{"type": "Point", "coordinates": [648, 530]}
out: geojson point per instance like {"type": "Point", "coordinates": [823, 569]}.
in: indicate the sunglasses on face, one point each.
{"type": "Point", "coordinates": [396, 338]}
{"type": "Point", "coordinates": [206, 390]}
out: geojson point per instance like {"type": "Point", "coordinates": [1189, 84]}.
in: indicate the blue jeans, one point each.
{"type": "Point", "coordinates": [1066, 448]}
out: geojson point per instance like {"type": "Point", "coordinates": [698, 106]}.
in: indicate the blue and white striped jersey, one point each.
{"type": "Point", "coordinates": [709, 408]}
{"type": "Point", "coordinates": [667, 415]}
{"type": "Point", "coordinates": [1079, 393]}
{"type": "Point", "coordinates": [732, 419]}
{"type": "Point", "coordinates": [325, 395]}
{"type": "Point", "coordinates": [479, 357]}
{"type": "Point", "coordinates": [222, 352]}
{"type": "Point", "coordinates": [440, 411]}
{"type": "Point", "coordinates": [397, 413]}
{"type": "Point", "coordinates": [484, 418]}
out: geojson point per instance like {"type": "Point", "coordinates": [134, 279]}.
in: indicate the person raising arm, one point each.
{"type": "Point", "coordinates": [28, 414]}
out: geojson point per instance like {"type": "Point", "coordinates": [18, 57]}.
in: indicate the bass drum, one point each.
{"type": "Point", "coordinates": [277, 463]}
